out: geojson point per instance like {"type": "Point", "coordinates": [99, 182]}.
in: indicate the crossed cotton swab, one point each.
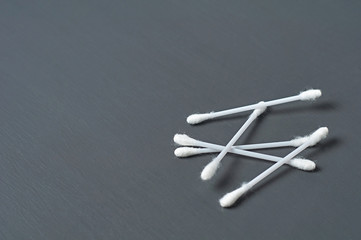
{"type": "Point", "coordinates": [211, 168]}
{"type": "Point", "coordinates": [230, 198]}
{"type": "Point", "coordinates": [311, 94]}
{"type": "Point", "coordinates": [184, 140]}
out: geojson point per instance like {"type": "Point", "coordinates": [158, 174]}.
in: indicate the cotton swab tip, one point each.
{"type": "Point", "coordinates": [303, 164]}
{"type": "Point", "coordinates": [198, 118]}
{"type": "Point", "coordinates": [209, 170]}
{"type": "Point", "coordinates": [186, 151]}
{"type": "Point", "coordinates": [183, 139]}
{"type": "Point", "coordinates": [230, 198]}
{"type": "Point", "coordinates": [311, 94]}
{"type": "Point", "coordinates": [318, 135]}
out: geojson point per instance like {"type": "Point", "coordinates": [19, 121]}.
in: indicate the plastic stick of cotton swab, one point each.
{"type": "Point", "coordinates": [311, 94]}
{"type": "Point", "coordinates": [182, 139]}
{"type": "Point", "coordinates": [212, 167]}
{"type": "Point", "coordinates": [230, 198]}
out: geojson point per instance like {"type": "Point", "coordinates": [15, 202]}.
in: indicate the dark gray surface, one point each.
{"type": "Point", "coordinates": [91, 93]}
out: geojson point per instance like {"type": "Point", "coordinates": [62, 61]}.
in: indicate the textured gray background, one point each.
{"type": "Point", "coordinates": [92, 92]}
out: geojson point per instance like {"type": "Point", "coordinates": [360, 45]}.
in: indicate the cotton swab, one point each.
{"type": "Point", "coordinates": [182, 139]}
{"type": "Point", "coordinates": [300, 163]}
{"type": "Point", "coordinates": [185, 140]}
{"type": "Point", "coordinates": [311, 94]}
{"type": "Point", "coordinates": [211, 168]}
{"type": "Point", "coordinates": [230, 198]}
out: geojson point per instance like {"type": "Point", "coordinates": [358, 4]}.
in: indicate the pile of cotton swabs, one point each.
{"type": "Point", "coordinates": [191, 147]}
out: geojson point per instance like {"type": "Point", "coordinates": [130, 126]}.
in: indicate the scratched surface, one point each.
{"type": "Point", "coordinates": [92, 92]}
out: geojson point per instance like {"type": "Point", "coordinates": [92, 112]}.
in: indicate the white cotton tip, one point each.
{"type": "Point", "coordinates": [182, 152]}
{"type": "Point", "coordinates": [318, 135]}
{"type": "Point", "coordinates": [261, 107]}
{"type": "Point", "coordinates": [186, 151]}
{"type": "Point", "coordinates": [311, 94]}
{"type": "Point", "coordinates": [209, 170]}
{"type": "Point", "coordinates": [183, 139]}
{"type": "Point", "coordinates": [198, 118]}
{"type": "Point", "coordinates": [230, 198]}
{"type": "Point", "coordinates": [298, 141]}
{"type": "Point", "coordinates": [302, 164]}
